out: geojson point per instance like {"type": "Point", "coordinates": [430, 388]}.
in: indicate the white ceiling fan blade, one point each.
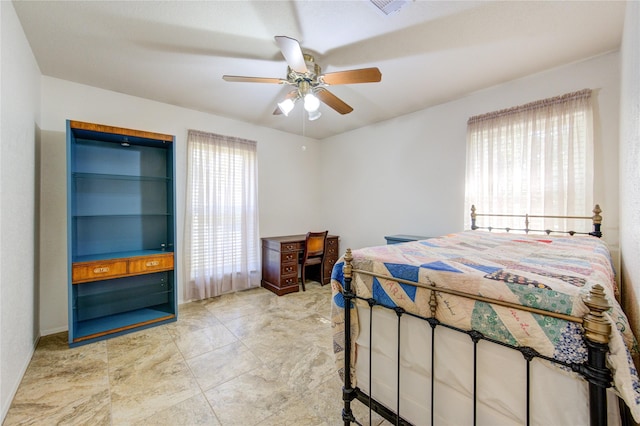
{"type": "Point", "coordinates": [243, 79]}
{"type": "Point", "coordinates": [292, 53]}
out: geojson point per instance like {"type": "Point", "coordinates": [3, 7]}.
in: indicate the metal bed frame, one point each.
{"type": "Point", "coordinates": [596, 335]}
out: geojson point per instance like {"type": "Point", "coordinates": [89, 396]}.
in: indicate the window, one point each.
{"type": "Point", "coordinates": [221, 223]}
{"type": "Point", "coordinates": [536, 159]}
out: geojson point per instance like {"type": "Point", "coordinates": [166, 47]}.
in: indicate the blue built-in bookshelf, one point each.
{"type": "Point", "coordinates": [121, 230]}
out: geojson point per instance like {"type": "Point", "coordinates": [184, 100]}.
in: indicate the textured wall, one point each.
{"type": "Point", "coordinates": [19, 180]}
{"type": "Point", "coordinates": [630, 166]}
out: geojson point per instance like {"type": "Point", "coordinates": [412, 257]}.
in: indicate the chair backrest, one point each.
{"type": "Point", "coordinates": [314, 244]}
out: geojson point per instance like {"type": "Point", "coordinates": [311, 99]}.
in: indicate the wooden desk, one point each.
{"type": "Point", "coordinates": [281, 257]}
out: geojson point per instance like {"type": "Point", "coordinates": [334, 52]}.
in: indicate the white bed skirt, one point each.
{"type": "Point", "coordinates": [557, 397]}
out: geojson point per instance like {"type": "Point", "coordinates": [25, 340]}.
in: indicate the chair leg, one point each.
{"type": "Point", "coordinates": [302, 276]}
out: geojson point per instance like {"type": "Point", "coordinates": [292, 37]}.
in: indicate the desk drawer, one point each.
{"type": "Point", "coordinates": [295, 246]}
{"type": "Point", "coordinates": [289, 269]}
{"type": "Point", "coordinates": [289, 281]}
{"type": "Point", "coordinates": [100, 270]}
{"type": "Point", "coordinates": [289, 257]}
{"type": "Point", "coordinates": [151, 264]}
{"type": "Point", "coordinates": [328, 268]}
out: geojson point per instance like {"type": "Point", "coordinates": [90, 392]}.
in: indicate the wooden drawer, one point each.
{"type": "Point", "coordinates": [142, 265]}
{"type": "Point", "coordinates": [332, 249]}
{"type": "Point", "coordinates": [289, 269]}
{"type": "Point", "coordinates": [289, 257]}
{"type": "Point", "coordinates": [332, 253]}
{"type": "Point", "coordinates": [328, 264]}
{"type": "Point", "coordinates": [99, 270]}
{"type": "Point", "coordinates": [289, 281]}
{"type": "Point", "coordinates": [295, 246]}
{"type": "Point", "coordinates": [328, 268]}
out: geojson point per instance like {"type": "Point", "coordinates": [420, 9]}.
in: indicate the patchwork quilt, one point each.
{"type": "Point", "coordinates": [545, 272]}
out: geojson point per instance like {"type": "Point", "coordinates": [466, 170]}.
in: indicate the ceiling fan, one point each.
{"type": "Point", "coordinates": [309, 82]}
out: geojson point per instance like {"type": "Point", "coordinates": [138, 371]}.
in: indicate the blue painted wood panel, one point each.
{"type": "Point", "coordinates": [121, 204]}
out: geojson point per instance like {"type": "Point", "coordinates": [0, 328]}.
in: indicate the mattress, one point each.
{"type": "Point", "coordinates": [557, 397]}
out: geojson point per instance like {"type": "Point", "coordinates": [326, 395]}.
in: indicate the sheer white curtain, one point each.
{"type": "Point", "coordinates": [536, 158]}
{"type": "Point", "coordinates": [221, 220]}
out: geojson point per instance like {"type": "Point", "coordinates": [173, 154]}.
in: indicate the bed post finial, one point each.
{"type": "Point", "coordinates": [473, 217]}
{"type": "Point", "coordinates": [346, 270]}
{"type": "Point", "coordinates": [597, 327]}
{"type": "Point", "coordinates": [596, 214]}
{"type": "Point", "coordinates": [597, 221]}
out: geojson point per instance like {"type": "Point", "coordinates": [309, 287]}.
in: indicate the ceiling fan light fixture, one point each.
{"type": "Point", "coordinates": [311, 103]}
{"type": "Point", "coordinates": [286, 106]}
{"type": "Point", "coordinates": [314, 115]}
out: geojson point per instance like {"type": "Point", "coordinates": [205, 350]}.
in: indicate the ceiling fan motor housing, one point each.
{"type": "Point", "coordinates": [308, 80]}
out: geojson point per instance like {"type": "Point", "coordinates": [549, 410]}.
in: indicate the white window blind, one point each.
{"type": "Point", "coordinates": [221, 223]}
{"type": "Point", "coordinates": [536, 159]}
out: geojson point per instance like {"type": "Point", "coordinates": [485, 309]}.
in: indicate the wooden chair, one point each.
{"type": "Point", "coordinates": [313, 254]}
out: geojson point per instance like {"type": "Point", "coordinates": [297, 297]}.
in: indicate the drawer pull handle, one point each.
{"type": "Point", "coordinates": [152, 263]}
{"type": "Point", "coordinates": [101, 270]}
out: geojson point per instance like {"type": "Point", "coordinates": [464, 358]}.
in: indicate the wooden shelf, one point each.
{"type": "Point", "coordinates": [121, 230]}
{"type": "Point", "coordinates": [119, 323]}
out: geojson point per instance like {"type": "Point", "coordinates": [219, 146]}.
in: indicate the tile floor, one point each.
{"type": "Point", "coordinates": [249, 358]}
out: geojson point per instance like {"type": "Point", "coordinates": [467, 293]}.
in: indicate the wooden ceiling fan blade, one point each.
{"type": "Point", "coordinates": [333, 101]}
{"type": "Point", "coordinates": [363, 75]}
{"type": "Point", "coordinates": [292, 53]}
{"type": "Point", "coordinates": [291, 95]}
{"type": "Point", "coordinates": [242, 79]}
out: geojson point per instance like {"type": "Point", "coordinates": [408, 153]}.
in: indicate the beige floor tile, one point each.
{"type": "Point", "coordinates": [63, 386]}
{"type": "Point", "coordinates": [247, 358]}
{"type": "Point", "coordinates": [250, 397]}
{"type": "Point", "coordinates": [198, 342]}
{"type": "Point", "coordinates": [296, 413]}
{"type": "Point", "coordinates": [150, 376]}
{"type": "Point", "coordinates": [223, 364]}
{"type": "Point", "coordinates": [78, 406]}
{"type": "Point", "coordinates": [193, 411]}
{"type": "Point", "coordinates": [192, 317]}
{"type": "Point", "coordinates": [242, 304]}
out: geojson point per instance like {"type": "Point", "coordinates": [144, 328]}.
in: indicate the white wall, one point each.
{"type": "Point", "coordinates": [288, 175]}
{"type": "Point", "coordinates": [19, 120]}
{"type": "Point", "coordinates": [630, 166]}
{"type": "Point", "coordinates": [406, 175]}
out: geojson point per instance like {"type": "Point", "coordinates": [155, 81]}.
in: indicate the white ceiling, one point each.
{"type": "Point", "coordinates": [429, 52]}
